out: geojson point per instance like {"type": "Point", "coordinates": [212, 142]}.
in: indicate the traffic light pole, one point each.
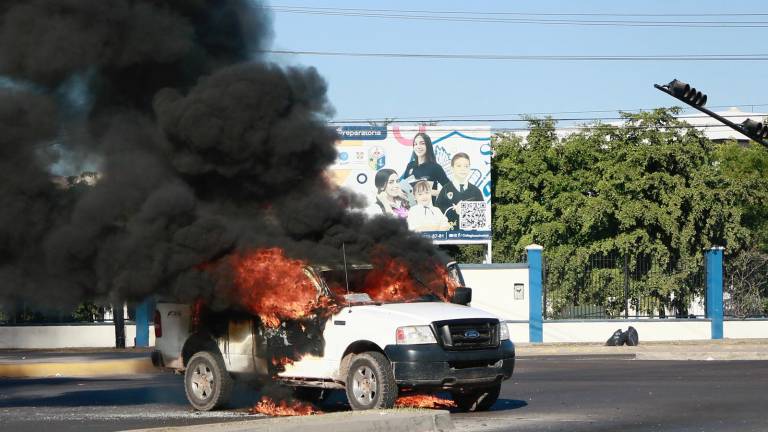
{"type": "Point", "coordinates": [737, 127]}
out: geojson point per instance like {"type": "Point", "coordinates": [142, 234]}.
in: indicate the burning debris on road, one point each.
{"type": "Point", "coordinates": [289, 407]}
{"type": "Point", "coordinates": [268, 406]}
{"type": "Point", "coordinates": [424, 401]}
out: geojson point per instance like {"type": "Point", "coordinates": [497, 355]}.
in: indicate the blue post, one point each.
{"type": "Point", "coordinates": [535, 290]}
{"type": "Point", "coordinates": [143, 313]}
{"type": "Point", "coordinates": [715, 290]}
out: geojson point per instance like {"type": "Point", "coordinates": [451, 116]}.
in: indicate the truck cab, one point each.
{"type": "Point", "coordinates": [372, 350]}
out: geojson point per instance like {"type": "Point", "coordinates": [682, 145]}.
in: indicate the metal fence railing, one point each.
{"type": "Point", "coordinates": [745, 291]}
{"type": "Point", "coordinates": [24, 313]}
{"type": "Point", "coordinates": [607, 286]}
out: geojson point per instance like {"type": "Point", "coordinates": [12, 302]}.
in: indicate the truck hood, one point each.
{"type": "Point", "coordinates": [400, 314]}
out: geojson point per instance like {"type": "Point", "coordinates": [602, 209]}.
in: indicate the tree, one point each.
{"type": "Point", "coordinates": [652, 189]}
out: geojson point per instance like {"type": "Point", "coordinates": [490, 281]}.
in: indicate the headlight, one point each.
{"type": "Point", "coordinates": [412, 335]}
{"type": "Point", "coordinates": [503, 331]}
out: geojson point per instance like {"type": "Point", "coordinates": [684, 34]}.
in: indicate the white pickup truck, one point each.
{"type": "Point", "coordinates": [372, 350]}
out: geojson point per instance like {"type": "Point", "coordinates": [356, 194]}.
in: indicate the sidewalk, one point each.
{"type": "Point", "coordinates": [723, 349]}
{"type": "Point", "coordinates": [76, 362]}
{"type": "Point", "coordinates": [107, 361]}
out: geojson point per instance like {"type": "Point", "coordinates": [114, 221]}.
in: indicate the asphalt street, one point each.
{"type": "Point", "coordinates": [571, 393]}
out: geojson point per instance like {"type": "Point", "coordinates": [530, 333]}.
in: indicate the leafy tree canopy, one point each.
{"type": "Point", "coordinates": [652, 188]}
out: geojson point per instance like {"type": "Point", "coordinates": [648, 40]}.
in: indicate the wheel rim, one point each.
{"type": "Point", "coordinates": [202, 381]}
{"type": "Point", "coordinates": [364, 385]}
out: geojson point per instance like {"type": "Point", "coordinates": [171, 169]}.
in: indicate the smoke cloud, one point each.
{"type": "Point", "coordinates": [204, 149]}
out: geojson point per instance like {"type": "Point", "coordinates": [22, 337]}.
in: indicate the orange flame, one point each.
{"type": "Point", "coordinates": [269, 407]}
{"type": "Point", "coordinates": [392, 280]}
{"type": "Point", "coordinates": [282, 361]}
{"type": "Point", "coordinates": [424, 401]}
{"type": "Point", "coordinates": [450, 283]}
{"type": "Point", "coordinates": [275, 287]}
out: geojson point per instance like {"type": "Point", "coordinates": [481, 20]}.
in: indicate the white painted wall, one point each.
{"type": "Point", "coordinates": [66, 336]}
{"type": "Point", "coordinates": [493, 289]}
{"type": "Point", "coordinates": [745, 329]}
{"type": "Point", "coordinates": [648, 330]}
{"type": "Point", "coordinates": [519, 332]}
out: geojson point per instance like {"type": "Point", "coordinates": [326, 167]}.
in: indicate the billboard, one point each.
{"type": "Point", "coordinates": [436, 178]}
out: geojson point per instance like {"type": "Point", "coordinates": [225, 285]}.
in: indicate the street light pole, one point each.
{"type": "Point", "coordinates": [685, 93]}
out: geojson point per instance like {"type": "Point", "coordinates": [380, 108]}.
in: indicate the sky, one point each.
{"type": "Point", "coordinates": [363, 88]}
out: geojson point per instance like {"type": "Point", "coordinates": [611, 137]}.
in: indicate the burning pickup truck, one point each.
{"type": "Point", "coordinates": [372, 349]}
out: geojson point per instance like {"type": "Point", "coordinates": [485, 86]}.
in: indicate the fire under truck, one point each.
{"type": "Point", "coordinates": [374, 351]}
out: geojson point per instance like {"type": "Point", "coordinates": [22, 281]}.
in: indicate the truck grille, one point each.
{"type": "Point", "coordinates": [468, 334]}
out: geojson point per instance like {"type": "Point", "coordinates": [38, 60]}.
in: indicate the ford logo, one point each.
{"type": "Point", "coordinates": [471, 334]}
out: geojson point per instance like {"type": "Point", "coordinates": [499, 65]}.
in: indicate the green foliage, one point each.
{"type": "Point", "coordinates": [746, 167]}
{"type": "Point", "coordinates": [747, 284]}
{"type": "Point", "coordinates": [88, 312]}
{"type": "Point", "coordinates": [653, 189]}
{"type": "Point", "coordinates": [465, 254]}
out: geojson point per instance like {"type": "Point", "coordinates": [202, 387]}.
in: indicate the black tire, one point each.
{"type": "Point", "coordinates": [481, 399]}
{"type": "Point", "coordinates": [370, 382]}
{"type": "Point", "coordinates": [207, 383]}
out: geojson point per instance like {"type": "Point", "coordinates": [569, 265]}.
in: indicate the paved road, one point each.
{"type": "Point", "coordinates": [546, 394]}
{"type": "Point", "coordinates": [594, 394]}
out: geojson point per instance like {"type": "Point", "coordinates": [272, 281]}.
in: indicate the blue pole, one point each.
{"type": "Point", "coordinates": [143, 313]}
{"type": "Point", "coordinates": [535, 289]}
{"type": "Point", "coordinates": [715, 290]}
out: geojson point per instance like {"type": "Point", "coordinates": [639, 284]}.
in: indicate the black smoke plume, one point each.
{"type": "Point", "coordinates": [202, 148]}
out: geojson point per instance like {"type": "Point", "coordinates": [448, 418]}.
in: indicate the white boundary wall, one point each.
{"type": "Point", "coordinates": [501, 289]}
{"type": "Point", "coordinates": [648, 330]}
{"type": "Point", "coordinates": [66, 336]}
{"type": "Point", "coordinates": [745, 329]}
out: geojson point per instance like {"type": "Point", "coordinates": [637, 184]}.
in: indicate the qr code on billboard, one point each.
{"type": "Point", "coordinates": [473, 216]}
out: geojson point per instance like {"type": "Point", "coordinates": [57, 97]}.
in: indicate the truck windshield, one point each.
{"type": "Point", "coordinates": [366, 280]}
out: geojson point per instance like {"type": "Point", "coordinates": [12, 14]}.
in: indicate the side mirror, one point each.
{"type": "Point", "coordinates": [462, 296]}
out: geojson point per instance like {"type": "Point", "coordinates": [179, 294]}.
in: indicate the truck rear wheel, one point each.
{"type": "Point", "coordinates": [481, 399]}
{"type": "Point", "coordinates": [370, 382]}
{"type": "Point", "coordinates": [207, 383]}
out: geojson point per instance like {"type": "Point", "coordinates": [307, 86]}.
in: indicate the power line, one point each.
{"type": "Point", "coordinates": [367, 13]}
{"type": "Point", "coordinates": [437, 56]}
{"type": "Point", "coordinates": [507, 120]}
{"type": "Point", "coordinates": [522, 13]}
{"type": "Point", "coordinates": [584, 128]}
{"type": "Point", "coordinates": [511, 120]}
{"type": "Point", "coordinates": [475, 117]}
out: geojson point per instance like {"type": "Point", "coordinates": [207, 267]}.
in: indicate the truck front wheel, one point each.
{"type": "Point", "coordinates": [370, 382]}
{"type": "Point", "coordinates": [481, 399]}
{"type": "Point", "coordinates": [207, 383]}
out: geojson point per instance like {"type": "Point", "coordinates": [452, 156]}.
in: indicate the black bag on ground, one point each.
{"type": "Point", "coordinates": [632, 338]}
{"type": "Point", "coordinates": [617, 339]}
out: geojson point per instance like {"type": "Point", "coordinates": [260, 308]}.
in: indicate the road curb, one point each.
{"type": "Point", "coordinates": [76, 369]}
{"type": "Point", "coordinates": [375, 420]}
{"type": "Point", "coordinates": [702, 356]}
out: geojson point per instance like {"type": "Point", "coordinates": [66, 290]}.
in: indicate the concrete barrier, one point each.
{"type": "Point", "coordinates": [51, 336]}
{"type": "Point", "coordinates": [648, 330]}
{"type": "Point", "coordinates": [745, 329]}
{"type": "Point", "coordinates": [397, 420]}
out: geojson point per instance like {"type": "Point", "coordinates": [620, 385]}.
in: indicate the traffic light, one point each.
{"type": "Point", "coordinates": [754, 128]}
{"type": "Point", "coordinates": [686, 93]}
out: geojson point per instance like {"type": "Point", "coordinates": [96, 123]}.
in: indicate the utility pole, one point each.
{"type": "Point", "coordinates": [119, 321]}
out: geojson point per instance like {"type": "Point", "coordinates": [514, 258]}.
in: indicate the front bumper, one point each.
{"type": "Point", "coordinates": [429, 365]}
